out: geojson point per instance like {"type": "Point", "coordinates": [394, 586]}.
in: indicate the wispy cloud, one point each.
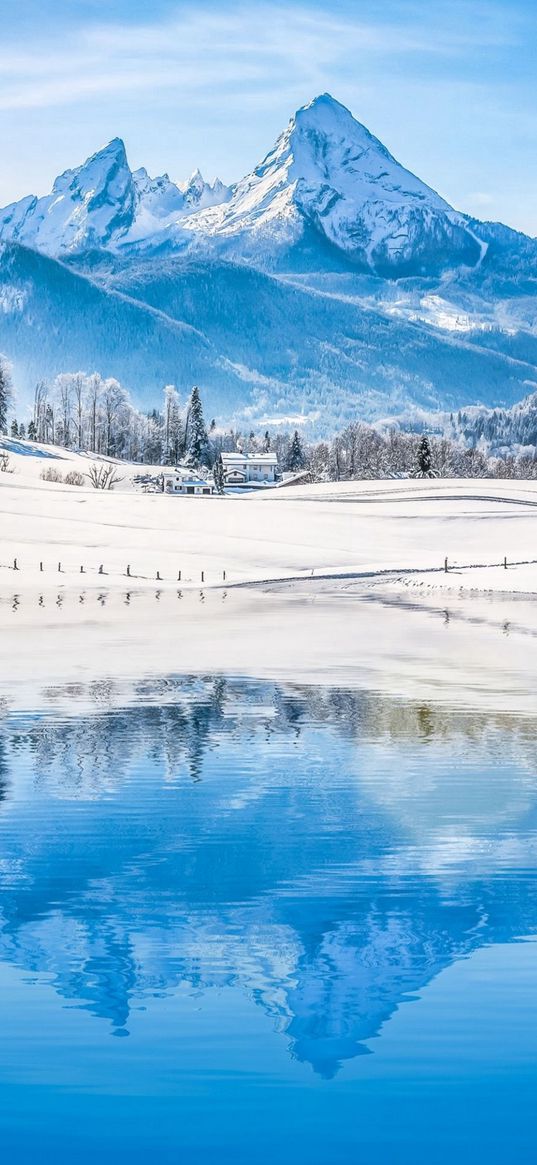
{"type": "Point", "coordinates": [449, 85]}
{"type": "Point", "coordinates": [199, 49]}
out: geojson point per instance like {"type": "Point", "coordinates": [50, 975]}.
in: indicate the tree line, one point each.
{"type": "Point", "coordinates": [97, 415]}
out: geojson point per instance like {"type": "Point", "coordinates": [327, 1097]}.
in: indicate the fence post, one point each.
{"type": "Point", "coordinates": [41, 567]}
{"type": "Point", "coordinates": [15, 564]}
{"type": "Point", "coordinates": [101, 569]}
{"type": "Point", "coordinates": [203, 576]}
{"type": "Point", "coordinates": [179, 577]}
{"type": "Point", "coordinates": [82, 570]}
{"type": "Point", "coordinates": [224, 575]}
{"type": "Point", "coordinates": [445, 565]}
{"type": "Point", "coordinates": [158, 576]}
{"type": "Point", "coordinates": [59, 568]}
{"type": "Point", "coordinates": [505, 563]}
{"type": "Point", "coordinates": [128, 572]}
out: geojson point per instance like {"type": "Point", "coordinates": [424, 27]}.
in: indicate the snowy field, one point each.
{"type": "Point", "coordinates": [339, 581]}
{"type": "Point", "coordinates": [389, 529]}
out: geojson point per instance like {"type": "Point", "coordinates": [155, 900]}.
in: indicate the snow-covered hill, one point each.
{"type": "Point", "coordinates": [52, 318]}
{"type": "Point", "coordinates": [260, 347]}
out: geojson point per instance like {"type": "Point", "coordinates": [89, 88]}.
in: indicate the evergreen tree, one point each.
{"type": "Point", "coordinates": [32, 431]}
{"type": "Point", "coordinates": [425, 461]}
{"type": "Point", "coordinates": [197, 441]}
{"type": "Point", "coordinates": [5, 396]}
{"type": "Point", "coordinates": [219, 476]}
{"type": "Point", "coordinates": [266, 442]}
{"type": "Point", "coordinates": [22, 432]}
{"type": "Point", "coordinates": [173, 426]}
{"type": "Point", "coordinates": [295, 459]}
{"type": "Point", "coordinates": [14, 429]}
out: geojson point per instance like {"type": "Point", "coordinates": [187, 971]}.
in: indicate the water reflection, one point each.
{"type": "Point", "coordinates": [325, 851]}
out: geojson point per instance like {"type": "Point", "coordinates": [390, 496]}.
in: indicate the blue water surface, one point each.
{"type": "Point", "coordinates": [251, 922]}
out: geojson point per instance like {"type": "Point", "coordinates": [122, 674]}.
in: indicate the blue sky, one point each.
{"type": "Point", "coordinates": [450, 87]}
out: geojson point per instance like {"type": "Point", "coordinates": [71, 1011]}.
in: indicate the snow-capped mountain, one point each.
{"type": "Point", "coordinates": [103, 205]}
{"type": "Point", "coordinates": [199, 194]}
{"type": "Point", "coordinates": [328, 172]}
{"type": "Point", "coordinates": [87, 206]}
{"type": "Point", "coordinates": [284, 295]}
{"type": "Point", "coordinates": [327, 183]}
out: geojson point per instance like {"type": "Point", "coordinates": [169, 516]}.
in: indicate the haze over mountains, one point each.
{"type": "Point", "coordinates": [330, 282]}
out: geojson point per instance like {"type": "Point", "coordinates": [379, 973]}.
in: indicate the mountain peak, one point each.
{"type": "Point", "coordinates": [329, 175]}
{"type": "Point", "coordinates": [200, 195]}
{"type": "Point", "coordinates": [324, 101]}
{"type": "Point", "coordinates": [96, 167]}
{"type": "Point", "coordinates": [328, 117]}
{"type": "Point", "coordinates": [114, 149]}
{"type": "Point", "coordinates": [85, 208]}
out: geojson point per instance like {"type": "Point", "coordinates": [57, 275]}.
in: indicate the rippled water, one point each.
{"type": "Point", "coordinates": [243, 922]}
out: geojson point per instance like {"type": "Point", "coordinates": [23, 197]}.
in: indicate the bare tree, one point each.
{"type": "Point", "coordinates": [79, 381]}
{"type": "Point", "coordinates": [112, 399]}
{"type": "Point", "coordinates": [40, 410]}
{"type": "Point", "coordinates": [102, 476]}
{"type": "Point", "coordinates": [49, 423]}
{"type": "Point", "coordinates": [94, 393]}
{"type": "Point", "coordinates": [5, 395]}
{"type": "Point", "coordinates": [64, 388]}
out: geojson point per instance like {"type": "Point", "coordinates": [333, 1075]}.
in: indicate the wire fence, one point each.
{"type": "Point", "coordinates": [221, 576]}
{"type": "Point", "coordinates": [17, 566]}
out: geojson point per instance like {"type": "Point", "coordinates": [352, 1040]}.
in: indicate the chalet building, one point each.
{"type": "Point", "coordinates": [250, 468]}
{"type": "Point", "coordinates": [175, 481]}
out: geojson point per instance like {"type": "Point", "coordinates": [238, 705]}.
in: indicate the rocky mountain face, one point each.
{"type": "Point", "coordinates": [326, 172]}
{"type": "Point", "coordinates": [329, 282]}
{"type": "Point", "coordinates": [104, 205]}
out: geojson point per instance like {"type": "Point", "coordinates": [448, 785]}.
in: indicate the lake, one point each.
{"type": "Point", "coordinates": [251, 922]}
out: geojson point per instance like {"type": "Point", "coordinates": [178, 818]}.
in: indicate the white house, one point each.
{"type": "Point", "coordinates": [244, 468]}
{"type": "Point", "coordinates": [179, 481]}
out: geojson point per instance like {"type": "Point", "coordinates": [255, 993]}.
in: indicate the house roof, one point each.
{"type": "Point", "coordinates": [244, 458]}
{"type": "Point", "coordinates": [183, 473]}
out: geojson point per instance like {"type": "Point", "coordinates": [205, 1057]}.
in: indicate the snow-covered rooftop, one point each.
{"type": "Point", "coordinates": [245, 458]}
{"type": "Point", "coordinates": [182, 471]}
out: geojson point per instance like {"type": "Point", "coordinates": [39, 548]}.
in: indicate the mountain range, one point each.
{"type": "Point", "coordinates": [328, 283]}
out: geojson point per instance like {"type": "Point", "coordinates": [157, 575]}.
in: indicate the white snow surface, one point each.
{"type": "Point", "coordinates": [371, 530]}
{"type": "Point", "coordinates": [336, 582]}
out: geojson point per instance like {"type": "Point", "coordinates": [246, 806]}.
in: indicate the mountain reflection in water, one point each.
{"type": "Point", "coordinates": [327, 852]}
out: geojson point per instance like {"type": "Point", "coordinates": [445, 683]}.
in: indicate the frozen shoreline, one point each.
{"type": "Point", "coordinates": [337, 583]}
{"type": "Point", "coordinates": [471, 652]}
